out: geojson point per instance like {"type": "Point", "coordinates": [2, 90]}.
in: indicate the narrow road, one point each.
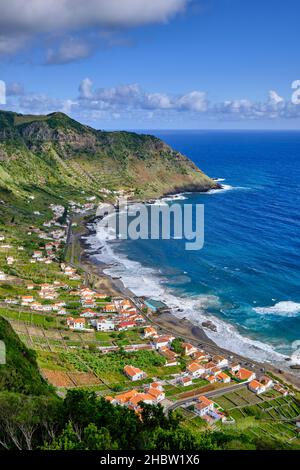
{"type": "Point", "coordinates": [212, 394]}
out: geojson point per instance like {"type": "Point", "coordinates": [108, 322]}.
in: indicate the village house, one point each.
{"type": "Point", "coordinates": [161, 341]}
{"type": "Point", "coordinates": [204, 406]}
{"type": "Point", "coordinates": [134, 373]}
{"type": "Point", "coordinates": [189, 349]}
{"type": "Point", "coordinates": [3, 276]}
{"type": "Point", "coordinates": [235, 367]}
{"type": "Point", "coordinates": [110, 308]}
{"type": "Point", "coordinates": [58, 305]}
{"type": "Point", "coordinates": [104, 324]}
{"type": "Point", "coordinates": [37, 254]}
{"type": "Point", "coordinates": [185, 380]}
{"type": "Point", "coordinates": [209, 366]}
{"type": "Point", "coordinates": [245, 375]}
{"type": "Point", "coordinates": [125, 325]}
{"type": "Point", "coordinates": [10, 260]}
{"type": "Point", "coordinates": [88, 303]}
{"type": "Point", "coordinates": [256, 387]}
{"type": "Point", "coordinates": [222, 377]}
{"type": "Point", "coordinates": [200, 356]}
{"type": "Point", "coordinates": [170, 356]}
{"type": "Point", "coordinates": [26, 299]}
{"type": "Point", "coordinates": [156, 391]}
{"type": "Point", "coordinates": [76, 323]}
{"type": "Point", "coordinates": [88, 313]}
{"type": "Point", "coordinates": [267, 382]}
{"type": "Point", "coordinates": [220, 361]}
{"type": "Point", "coordinates": [210, 378]}
{"type": "Point", "coordinates": [150, 332]}
{"type": "Point", "coordinates": [195, 369]}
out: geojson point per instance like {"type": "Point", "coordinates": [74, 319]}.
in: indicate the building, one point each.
{"type": "Point", "coordinates": [27, 299]}
{"type": "Point", "coordinates": [220, 361]}
{"type": "Point", "coordinates": [157, 394]}
{"type": "Point", "coordinates": [235, 367]}
{"type": "Point", "coordinates": [134, 373]}
{"type": "Point", "coordinates": [256, 387]}
{"type": "Point", "coordinates": [161, 341]}
{"type": "Point", "coordinates": [245, 375]}
{"type": "Point", "coordinates": [76, 323]}
{"type": "Point", "coordinates": [124, 325]}
{"type": "Point", "coordinates": [222, 377]}
{"type": "Point", "coordinates": [170, 356]}
{"type": "Point", "coordinates": [150, 332]}
{"type": "Point", "coordinates": [200, 356]}
{"type": "Point", "coordinates": [204, 406]}
{"type": "Point", "coordinates": [195, 369]}
{"type": "Point", "coordinates": [189, 349]}
{"type": "Point", "coordinates": [186, 381]}
{"type": "Point", "coordinates": [88, 313]}
{"type": "Point", "coordinates": [267, 382]}
{"type": "Point", "coordinates": [104, 324]}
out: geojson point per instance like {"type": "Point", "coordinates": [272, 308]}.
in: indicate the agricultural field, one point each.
{"type": "Point", "coordinates": [268, 415]}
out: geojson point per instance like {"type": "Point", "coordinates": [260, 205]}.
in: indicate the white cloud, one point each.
{"type": "Point", "coordinates": [21, 20]}
{"type": "Point", "coordinates": [69, 50]}
{"type": "Point", "coordinates": [85, 88]}
{"type": "Point", "coordinates": [132, 102]}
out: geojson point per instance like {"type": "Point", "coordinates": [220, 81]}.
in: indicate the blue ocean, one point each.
{"type": "Point", "coordinates": [246, 278]}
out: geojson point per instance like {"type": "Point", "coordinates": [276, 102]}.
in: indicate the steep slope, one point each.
{"type": "Point", "coordinates": [20, 372]}
{"type": "Point", "coordinates": [57, 153]}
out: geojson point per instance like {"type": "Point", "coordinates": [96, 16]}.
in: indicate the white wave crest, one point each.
{"type": "Point", "coordinates": [284, 308]}
{"type": "Point", "coordinates": [143, 281]}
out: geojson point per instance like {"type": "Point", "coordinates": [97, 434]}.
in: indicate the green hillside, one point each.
{"type": "Point", "coordinates": [20, 373]}
{"type": "Point", "coordinates": [56, 156]}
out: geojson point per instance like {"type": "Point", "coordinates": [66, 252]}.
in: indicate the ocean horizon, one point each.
{"type": "Point", "coordinates": [246, 278]}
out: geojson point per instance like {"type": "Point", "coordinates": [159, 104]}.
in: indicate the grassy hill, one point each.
{"type": "Point", "coordinates": [20, 373]}
{"type": "Point", "coordinates": [56, 156]}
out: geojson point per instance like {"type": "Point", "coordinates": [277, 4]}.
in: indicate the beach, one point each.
{"type": "Point", "coordinates": [96, 273]}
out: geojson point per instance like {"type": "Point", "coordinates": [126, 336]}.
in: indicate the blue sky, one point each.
{"type": "Point", "coordinates": [154, 64]}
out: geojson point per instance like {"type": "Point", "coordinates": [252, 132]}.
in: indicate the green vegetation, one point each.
{"type": "Point", "coordinates": [20, 373]}
{"type": "Point", "coordinates": [54, 157]}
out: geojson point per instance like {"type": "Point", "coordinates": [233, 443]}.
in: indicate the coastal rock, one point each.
{"type": "Point", "coordinates": [209, 325]}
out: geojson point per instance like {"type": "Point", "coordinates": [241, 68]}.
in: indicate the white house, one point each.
{"type": "Point", "coordinates": [76, 323]}
{"type": "Point", "coordinates": [162, 341]}
{"type": "Point", "coordinates": [256, 387]}
{"type": "Point", "coordinates": [220, 361]}
{"type": "Point", "coordinates": [105, 325]}
{"type": "Point", "coordinates": [134, 373]}
{"type": "Point", "coordinates": [195, 369]}
{"type": "Point", "coordinates": [185, 380]}
{"type": "Point", "coordinates": [204, 406]}
{"type": "Point", "coordinates": [2, 276]}
{"type": "Point", "coordinates": [189, 349]}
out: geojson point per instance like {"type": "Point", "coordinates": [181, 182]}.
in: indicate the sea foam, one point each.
{"type": "Point", "coordinates": [144, 281]}
{"type": "Point", "coordinates": [284, 308]}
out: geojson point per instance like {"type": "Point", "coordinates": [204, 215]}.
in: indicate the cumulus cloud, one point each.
{"type": "Point", "coordinates": [133, 96]}
{"type": "Point", "coordinates": [21, 20]}
{"type": "Point", "coordinates": [130, 101]}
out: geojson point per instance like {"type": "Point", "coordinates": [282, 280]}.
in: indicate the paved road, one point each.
{"type": "Point", "coordinates": [213, 393]}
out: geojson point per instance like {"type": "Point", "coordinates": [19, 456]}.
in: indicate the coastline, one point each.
{"type": "Point", "coordinates": [167, 322]}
